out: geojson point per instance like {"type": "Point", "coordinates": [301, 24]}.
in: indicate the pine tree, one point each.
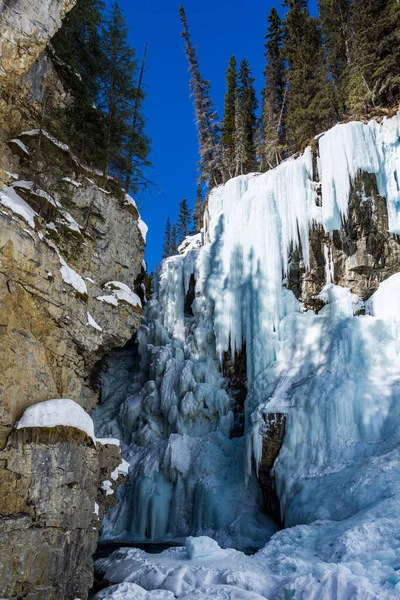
{"type": "Point", "coordinates": [240, 140]}
{"type": "Point", "coordinates": [138, 145]}
{"type": "Point", "coordinates": [335, 21]}
{"type": "Point", "coordinates": [274, 95]}
{"type": "Point", "coordinates": [184, 221]}
{"type": "Point", "coordinates": [310, 103]}
{"type": "Point", "coordinates": [246, 122]}
{"type": "Point", "coordinates": [76, 54]}
{"type": "Point", "coordinates": [375, 53]}
{"type": "Point", "coordinates": [174, 243]}
{"type": "Point", "coordinates": [211, 157]}
{"type": "Point", "coordinates": [167, 239]}
{"type": "Point", "coordinates": [117, 89]}
{"type": "Point", "coordinates": [198, 212]}
{"type": "Point", "coordinates": [228, 135]}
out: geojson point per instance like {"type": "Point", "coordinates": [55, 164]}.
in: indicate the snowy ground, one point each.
{"type": "Point", "coordinates": [335, 375]}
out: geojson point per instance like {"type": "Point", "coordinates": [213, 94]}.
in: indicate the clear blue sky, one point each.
{"type": "Point", "coordinates": [219, 28]}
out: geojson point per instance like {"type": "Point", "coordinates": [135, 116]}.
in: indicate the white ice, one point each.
{"type": "Point", "coordinates": [335, 375]}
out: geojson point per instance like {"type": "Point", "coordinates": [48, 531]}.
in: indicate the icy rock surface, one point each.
{"type": "Point", "coordinates": [334, 374]}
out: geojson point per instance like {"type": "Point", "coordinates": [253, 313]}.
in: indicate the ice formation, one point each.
{"type": "Point", "coordinates": [335, 375]}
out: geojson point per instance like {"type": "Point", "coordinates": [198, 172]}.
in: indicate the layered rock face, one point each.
{"type": "Point", "coordinates": [25, 28]}
{"type": "Point", "coordinates": [51, 506]}
{"type": "Point", "coordinates": [71, 253]}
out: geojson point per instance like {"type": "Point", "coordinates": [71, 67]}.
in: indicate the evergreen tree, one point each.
{"type": "Point", "coordinates": [274, 95]}
{"type": "Point", "coordinates": [198, 212]}
{"type": "Point", "coordinates": [375, 53]}
{"type": "Point", "coordinates": [167, 239]}
{"type": "Point", "coordinates": [246, 122]}
{"type": "Point", "coordinates": [184, 221]}
{"type": "Point", "coordinates": [334, 17]}
{"type": "Point", "coordinates": [76, 53]}
{"type": "Point", "coordinates": [240, 140]}
{"type": "Point", "coordinates": [117, 89]}
{"type": "Point", "coordinates": [211, 158]}
{"type": "Point", "coordinates": [228, 135]}
{"type": "Point", "coordinates": [138, 146]}
{"type": "Point", "coordinates": [174, 243]}
{"type": "Point", "coordinates": [310, 103]}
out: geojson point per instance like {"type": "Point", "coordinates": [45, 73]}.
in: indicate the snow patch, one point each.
{"type": "Point", "coordinates": [10, 199]}
{"type": "Point", "coordinates": [92, 323]}
{"type": "Point", "coordinates": [53, 413]}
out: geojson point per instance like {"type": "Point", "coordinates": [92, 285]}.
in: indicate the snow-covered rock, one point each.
{"type": "Point", "coordinates": [52, 413]}
{"type": "Point", "coordinates": [201, 547]}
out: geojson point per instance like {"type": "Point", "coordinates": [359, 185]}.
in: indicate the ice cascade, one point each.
{"type": "Point", "coordinates": [334, 375]}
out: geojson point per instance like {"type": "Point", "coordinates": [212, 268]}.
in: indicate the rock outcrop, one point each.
{"type": "Point", "coordinates": [25, 28]}
{"type": "Point", "coordinates": [51, 509]}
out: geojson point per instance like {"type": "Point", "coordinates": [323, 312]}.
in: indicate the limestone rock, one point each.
{"type": "Point", "coordinates": [25, 28]}
{"type": "Point", "coordinates": [48, 517]}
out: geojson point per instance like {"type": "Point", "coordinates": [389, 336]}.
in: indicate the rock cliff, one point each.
{"type": "Point", "coordinates": [71, 255]}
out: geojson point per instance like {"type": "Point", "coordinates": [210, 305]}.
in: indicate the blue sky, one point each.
{"type": "Point", "coordinates": [219, 28]}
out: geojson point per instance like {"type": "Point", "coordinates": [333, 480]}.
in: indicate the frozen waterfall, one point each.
{"type": "Point", "coordinates": [335, 375]}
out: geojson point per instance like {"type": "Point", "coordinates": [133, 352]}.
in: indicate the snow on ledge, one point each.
{"type": "Point", "coordinates": [11, 200]}
{"type": "Point", "coordinates": [143, 228]}
{"type": "Point", "coordinates": [108, 441]}
{"type": "Point", "coordinates": [120, 291]}
{"type": "Point", "coordinates": [191, 242]}
{"type": "Point", "coordinates": [122, 469]}
{"type": "Point", "coordinates": [53, 413]}
{"type": "Point", "coordinates": [92, 323]}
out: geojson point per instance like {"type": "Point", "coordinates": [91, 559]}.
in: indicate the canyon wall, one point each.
{"type": "Point", "coordinates": [71, 257]}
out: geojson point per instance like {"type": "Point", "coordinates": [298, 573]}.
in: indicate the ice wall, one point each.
{"type": "Point", "coordinates": [336, 375]}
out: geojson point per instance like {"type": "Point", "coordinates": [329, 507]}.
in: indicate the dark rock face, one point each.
{"type": "Point", "coordinates": [235, 370]}
{"type": "Point", "coordinates": [274, 431]}
{"type": "Point", "coordinates": [363, 252]}
{"type": "Point", "coordinates": [48, 517]}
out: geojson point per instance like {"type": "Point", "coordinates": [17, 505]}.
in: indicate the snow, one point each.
{"type": "Point", "coordinates": [131, 591]}
{"type": "Point", "coordinates": [20, 145]}
{"type": "Point", "coordinates": [334, 375]}
{"type": "Point", "coordinates": [71, 277]}
{"type": "Point", "coordinates": [12, 175]}
{"type": "Point", "coordinates": [122, 469]}
{"type": "Point", "coordinates": [96, 508]}
{"type": "Point", "coordinates": [108, 299]}
{"type": "Point", "coordinates": [90, 280]}
{"type": "Point", "coordinates": [10, 199]}
{"type": "Point", "coordinates": [143, 228]}
{"type": "Point", "coordinates": [107, 487]}
{"type": "Point", "coordinates": [385, 303]}
{"type": "Point", "coordinates": [72, 182]}
{"type": "Point", "coordinates": [191, 242]}
{"type": "Point", "coordinates": [92, 323]}
{"type": "Point", "coordinates": [111, 441]}
{"type": "Point", "coordinates": [123, 292]}
{"type": "Point", "coordinates": [201, 547]}
{"type": "Point", "coordinates": [52, 413]}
